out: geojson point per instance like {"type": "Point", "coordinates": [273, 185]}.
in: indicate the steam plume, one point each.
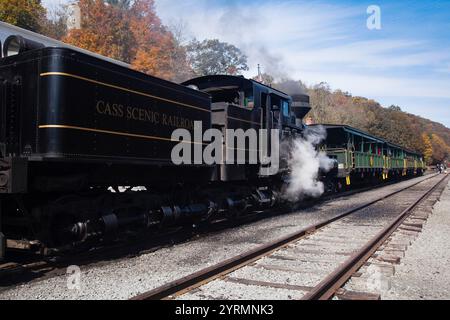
{"type": "Point", "coordinates": [305, 163]}
{"type": "Point", "coordinates": [291, 87]}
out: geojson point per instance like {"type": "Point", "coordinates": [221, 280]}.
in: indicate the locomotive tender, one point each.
{"type": "Point", "coordinates": [75, 129]}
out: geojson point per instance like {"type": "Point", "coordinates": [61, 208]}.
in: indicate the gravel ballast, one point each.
{"type": "Point", "coordinates": [425, 271]}
{"type": "Point", "coordinates": [125, 278]}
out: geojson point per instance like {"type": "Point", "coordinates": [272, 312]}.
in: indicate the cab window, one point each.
{"type": "Point", "coordinates": [249, 100]}
{"type": "Point", "coordinates": [285, 108]}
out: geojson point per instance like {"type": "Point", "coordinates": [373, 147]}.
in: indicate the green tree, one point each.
{"type": "Point", "coordinates": [27, 14]}
{"type": "Point", "coordinates": [212, 57]}
{"type": "Point", "coordinates": [395, 108]}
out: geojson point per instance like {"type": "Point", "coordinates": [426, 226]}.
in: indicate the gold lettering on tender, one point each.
{"type": "Point", "coordinates": [100, 106]}
{"type": "Point", "coordinates": [142, 114]}
{"type": "Point", "coordinates": [135, 113]}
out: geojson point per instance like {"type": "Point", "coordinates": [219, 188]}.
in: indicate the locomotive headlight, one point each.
{"type": "Point", "coordinates": [18, 44]}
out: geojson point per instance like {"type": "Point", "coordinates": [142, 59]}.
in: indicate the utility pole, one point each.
{"type": "Point", "coordinates": [260, 79]}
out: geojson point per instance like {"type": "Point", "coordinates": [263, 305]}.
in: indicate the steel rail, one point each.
{"type": "Point", "coordinates": [209, 274]}
{"type": "Point", "coordinates": [49, 268]}
{"type": "Point", "coordinates": [330, 285]}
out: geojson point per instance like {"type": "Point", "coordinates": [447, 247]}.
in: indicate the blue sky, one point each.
{"type": "Point", "coordinates": [406, 63]}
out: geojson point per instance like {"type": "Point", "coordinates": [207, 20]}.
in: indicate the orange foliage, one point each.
{"type": "Point", "coordinates": [104, 30]}
{"type": "Point", "coordinates": [155, 61]}
{"type": "Point", "coordinates": [155, 43]}
{"type": "Point", "coordinates": [134, 35]}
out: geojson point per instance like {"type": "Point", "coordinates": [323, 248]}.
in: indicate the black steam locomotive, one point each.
{"type": "Point", "coordinates": [87, 149]}
{"type": "Point", "coordinates": [79, 134]}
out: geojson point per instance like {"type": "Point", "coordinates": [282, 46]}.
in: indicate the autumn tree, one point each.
{"type": "Point", "coordinates": [156, 60]}
{"type": "Point", "coordinates": [441, 151]}
{"type": "Point", "coordinates": [320, 96]}
{"type": "Point", "coordinates": [27, 14]}
{"type": "Point", "coordinates": [104, 29]}
{"type": "Point", "coordinates": [155, 44]}
{"type": "Point", "coordinates": [212, 57]}
{"type": "Point", "coordinates": [427, 148]}
{"type": "Point", "coordinates": [395, 108]}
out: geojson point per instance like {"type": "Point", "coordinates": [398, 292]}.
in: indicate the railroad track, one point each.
{"type": "Point", "coordinates": [31, 267]}
{"type": "Point", "coordinates": [314, 263]}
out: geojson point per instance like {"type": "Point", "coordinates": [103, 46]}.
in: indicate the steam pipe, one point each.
{"type": "Point", "coordinates": [17, 44]}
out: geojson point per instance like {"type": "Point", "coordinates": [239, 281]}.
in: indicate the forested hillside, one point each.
{"type": "Point", "coordinates": [392, 124]}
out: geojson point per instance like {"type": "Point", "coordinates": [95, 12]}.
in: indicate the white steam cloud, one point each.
{"type": "Point", "coordinates": [305, 163]}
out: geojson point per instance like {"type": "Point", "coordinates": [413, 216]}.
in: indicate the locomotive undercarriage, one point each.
{"type": "Point", "coordinates": [53, 222]}
{"type": "Point", "coordinates": [50, 222]}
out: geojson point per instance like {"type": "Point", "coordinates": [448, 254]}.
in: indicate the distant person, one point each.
{"type": "Point", "coordinates": [309, 121]}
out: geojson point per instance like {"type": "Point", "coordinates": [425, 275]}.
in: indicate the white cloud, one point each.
{"type": "Point", "coordinates": [370, 54]}
{"type": "Point", "coordinates": [262, 30]}
{"type": "Point", "coordinates": [371, 85]}
{"type": "Point", "coordinates": [319, 42]}
{"type": "Point", "coordinates": [51, 3]}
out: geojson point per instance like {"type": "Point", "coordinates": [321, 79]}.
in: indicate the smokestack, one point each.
{"type": "Point", "coordinates": [300, 106]}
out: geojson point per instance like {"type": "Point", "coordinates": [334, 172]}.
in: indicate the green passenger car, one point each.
{"type": "Point", "coordinates": [365, 158]}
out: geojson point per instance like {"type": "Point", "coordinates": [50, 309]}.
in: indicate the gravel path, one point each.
{"type": "Point", "coordinates": [125, 278]}
{"type": "Point", "coordinates": [425, 271]}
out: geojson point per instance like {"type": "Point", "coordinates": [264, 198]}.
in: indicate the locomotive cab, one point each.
{"type": "Point", "coordinates": [240, 103]}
